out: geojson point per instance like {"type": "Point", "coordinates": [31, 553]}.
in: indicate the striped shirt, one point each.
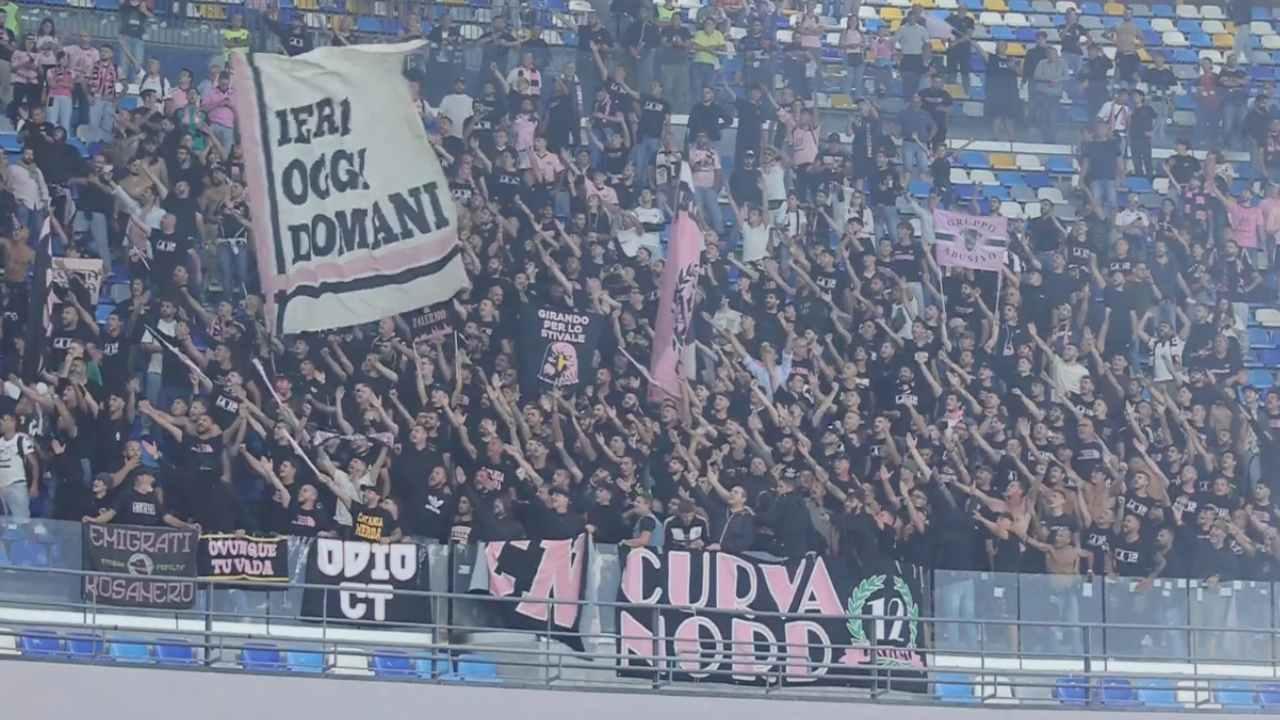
{"type": "Point", "coordinates": [103, 81]}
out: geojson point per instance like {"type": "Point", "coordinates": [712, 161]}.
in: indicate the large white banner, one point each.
{"type": "Point", "coordinates": [352, 216]}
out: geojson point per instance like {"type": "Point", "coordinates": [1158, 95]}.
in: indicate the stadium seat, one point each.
{"type": "Point", "coordinates": [1269, 695]}
{"type": "Point", "coordinates": [25, 553]}
{"type": "Point", "coordinates": [1268, 317]}
{"type": "Point", "coordinates": [85, 646]}
{"type": "Point", "coordinates": [1261, 338]}
{"type": "Point", "coordinates": [129, 652]}
{"type": "Point", "coordinates": [474, 668]}
{"type": "Point", "coordinates": [1174, 39]}
{"type": "Point", "coordinates": [1064, 165]}
{"type": "Point", "coordinates": [1235, 695]}
{"type": "Point", "coordinates": [40, 645]}
{"type": "Point", "coordinates": [304, 661]}
{"type": "Point", "coordinates": [1071, 690]}
{"type": "Point", "coordinates": [1187, 11]}
{"type": "Point", "coordinates": [175, 652]}
{"type": "Point", "coordinates": [1157, 693]}
{"type": "Point", "coordinates": [393, 665]}
{"type": "Point", "coordinates": [261, 658]}
{"type": "Point", "coordinates": [1261, 379]}
{"type": "Point", "coordinates": [1003, 161]}
{"type": "Point", "coordinates": [1117, 692]}
{"type": "Point", "coordinates": [954, 688]}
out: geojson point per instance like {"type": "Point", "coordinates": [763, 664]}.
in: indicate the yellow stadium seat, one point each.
{"type": "Point", "coordinates": [1017, 49]}
{"type": "Point", "coordinates": [841, 101]}
{"type": "Point", "coordinates": [926, 4]}
{"type": "Point", "coordinates": [1113, 8]}
{"type": "Point", "coordinates": [938, 46]}
{"type": "Point", "coordinates": [957, 92]}
{"type": "Point", "coordinates": [995, 6]}
{"type": "Point", "coordinates": [1144, 55]}
{"type": "Point", "coordinates": [1223, 40]}
{"type": "Point", "coordinates": [890, 14]}
{"type": "Point", "coordinates": [1003, 161]}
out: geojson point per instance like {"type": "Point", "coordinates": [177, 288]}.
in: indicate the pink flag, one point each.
{"type": "Point", "coordinates": [676, 307]}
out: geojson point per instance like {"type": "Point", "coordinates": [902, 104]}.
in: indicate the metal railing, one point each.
{"type": "Point", "coordinates": [989, 659]}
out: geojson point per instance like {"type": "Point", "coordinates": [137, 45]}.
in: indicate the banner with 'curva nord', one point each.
{"type": "Point", "coordinates": [353, 218]}
{"type": "Point", "coordinates": [740, 619]}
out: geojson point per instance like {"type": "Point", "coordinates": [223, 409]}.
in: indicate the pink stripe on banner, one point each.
{"type": "Point", "coordinates": [244, 97]}
{"type": "Point", "coordinates": [675, 307]}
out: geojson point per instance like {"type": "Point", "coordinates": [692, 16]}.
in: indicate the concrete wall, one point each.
{"type": "Point", "coordinates": [35, 690]}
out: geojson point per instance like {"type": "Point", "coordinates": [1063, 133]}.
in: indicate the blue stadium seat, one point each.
{"type": "Point", "coordinates": [1157, 693]}
{"type": "Point", "coordinates": [25, 553]}
{"type": "Point", "coordinates": [954, 688]}
{"type": "Point", "coordinates": [1009, 178]}
{"type": "Point", "coordinates": [40, 645]}
{"type": "Point", "coordinates": [1186, 27]}
{"type": "Point", "coordinates": [261, 658]}
{"type": "Point", "coordinates": [1091, 8]}
{"type": "Point", "coordinates": [175, 652]}
{"type": "Point", "coordinates": [394, 665]}
{"type": "Point", "coordinates": [474, 668]}
{"type": "Point", "coordinates": [1261, 338]}
{"type": "Point", "coordinates": [1232, 694]}
{"type": "Point", "coordinates": [973, 160]}
{"type": "Point", "coordinates": [81, 646]}
{"type": "Point", "coordinates": [304, 661]}
{"type": "Point", "coordinates": [130, 652]}
{"type": "Point", "coordinates": [9, 142]}
{"type": "Point", "coordinates": [1000, 32]}
{"type": "Point", "coordinates": [1138, 184]}
{"type": "Point", "coordinates": [1261, 379]}
{"type": "Point", "coordinates": [995, 192]}
{"type": "Point", "coordinates": [1117, 692]}
{"type": "Point", "coordinates": [1269, 695]}
{"type": "Point", "coordinates": [919, 188]}
{"type": "Point", "coordinates": [1162, 11]}
{"type": "Point", "coordinates": [1071, 690]}
{"type": "Point", "coordinates": [1060, 165]}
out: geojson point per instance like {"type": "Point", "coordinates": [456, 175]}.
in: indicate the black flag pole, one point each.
{"type": "Point", "coordinates": [38, 297]}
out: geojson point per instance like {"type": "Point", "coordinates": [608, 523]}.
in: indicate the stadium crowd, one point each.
{"type": "Point", "coordinates": [1085, 409]}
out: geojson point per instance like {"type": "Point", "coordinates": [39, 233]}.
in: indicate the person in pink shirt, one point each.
{"type": "Point", "coordinates": [59, 84]}
{"type": "Point", "coordinates": [82, 57]}
{"type": "Point", "coordinates": [216, 104]}
{"type": "Point", "coordinates": [178, 95]}
{"type": "Point", "coordinates": [525, 126]}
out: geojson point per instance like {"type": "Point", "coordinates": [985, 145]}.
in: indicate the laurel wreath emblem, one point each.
{"type": "Point", "coordinates": [857, 601]}
{"type": "Point", "coordinates": [856, 606]}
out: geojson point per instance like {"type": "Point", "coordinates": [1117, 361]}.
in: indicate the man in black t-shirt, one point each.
{"type": "Point", "coordinates": [372, 521]}
{"type": "Point", "coordinates": [937, 102]}
{"type": "Point", "coordinates": [140, 505]}
{"type": "Point", "coordinates": [1103, 163]}
{"type": "Point", "coordinates": [1182, 166]}
{"type": "Point", "coordinates": [655, 112]}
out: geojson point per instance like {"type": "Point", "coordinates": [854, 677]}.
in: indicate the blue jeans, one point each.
{"type": "Point", "coordinates": [886, 217]}
{"type": "Point", "coordinates": [1105, 192]}
{"type": "Point", "coordinates": [226, 135]}
{"type": "Point", "coordinates": [856, 80]}
{"type": "Point", "coordinates": [32, 220]}
{"type": "Point", "coordinates": [60, 113]}
{"type": "Point", "coordinates": [701, 75]}
{"type": "Point", "coordinates": [102, 120]}
{"type": "Point", "coordinates": [642, 156]}
{"type": "Point", "coordinates": [137, 53]}
{"type": "Point", "coordinates": [708, 199]}
{"type": "Point", "coordinates": [914, 159]}
{"type": "Point", "coordinates": [97, 229]}
{"type": "Point", "coordinates": [233, 267]}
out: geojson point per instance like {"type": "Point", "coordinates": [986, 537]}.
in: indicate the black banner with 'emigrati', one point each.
{"type": "Point", "coordinates": [153, 557]}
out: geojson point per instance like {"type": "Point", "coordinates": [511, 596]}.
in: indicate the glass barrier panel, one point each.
{"type": "Point", "coordinates": [1232, 620]}
{"type": "Point", "coordinates": [1068, 605]}
{"type": "Point", "coordinates": [1160, 607]}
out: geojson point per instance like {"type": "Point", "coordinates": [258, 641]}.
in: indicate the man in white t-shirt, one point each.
{"type": "Point", "coordinates": [457, 106]}
{"type": "Point", "coordinates": [19, 469]}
